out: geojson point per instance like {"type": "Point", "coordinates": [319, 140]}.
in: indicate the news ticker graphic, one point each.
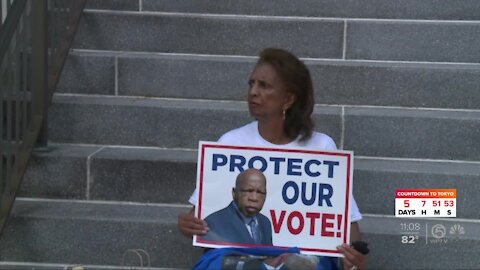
{"type": "Point", "coordinates": [426, 203]}
{"type": "Point", "coordinates": [412, 232]}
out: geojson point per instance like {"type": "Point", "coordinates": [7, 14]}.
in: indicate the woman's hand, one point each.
{"type": "Point", "coordinates": [189, 225]}
{"type": "Point", "coordinates": [353, 259]}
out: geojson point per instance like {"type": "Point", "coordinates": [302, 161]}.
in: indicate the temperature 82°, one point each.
{"type": "Point", "coordinates": [409, 239]}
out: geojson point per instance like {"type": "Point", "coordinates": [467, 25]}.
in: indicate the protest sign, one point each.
{"type": "Point", "coordinates": [306, 199]}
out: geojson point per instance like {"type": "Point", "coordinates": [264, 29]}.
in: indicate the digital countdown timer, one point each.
{"type": "Point", "coordinates": [426, 203]}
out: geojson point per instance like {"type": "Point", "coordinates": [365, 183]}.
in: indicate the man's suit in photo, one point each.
{"type": "Point", "coordinates": [227, 225]}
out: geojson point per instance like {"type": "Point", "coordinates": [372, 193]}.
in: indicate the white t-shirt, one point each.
{"type": "Point", "coordinates": [249, 135]}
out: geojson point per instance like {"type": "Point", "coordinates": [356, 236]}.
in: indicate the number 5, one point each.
{"type": "Point", "coordinates": [406, 203]}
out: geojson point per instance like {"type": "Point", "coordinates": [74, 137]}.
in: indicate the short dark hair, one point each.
{"type": "Point", "coordinates": [296, 76]}
{"type": "Point", "coordinates": [241, 176]}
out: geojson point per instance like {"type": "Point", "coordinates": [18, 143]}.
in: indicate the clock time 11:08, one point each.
{"type": "Point", "coordinates": [410, 226]}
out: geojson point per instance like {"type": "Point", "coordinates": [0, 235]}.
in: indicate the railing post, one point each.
{"type": "Point", "coordinates": [42, 140]}
{"type": "Point", "coordinates": [39, 67]}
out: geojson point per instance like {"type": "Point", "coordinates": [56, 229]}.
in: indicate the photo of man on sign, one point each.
{"type": "Point", "coordinates": [241, 221]}
{"type": "Point", "coordinates": [281, 197]}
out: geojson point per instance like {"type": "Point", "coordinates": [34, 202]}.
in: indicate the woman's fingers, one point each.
{"type": "Point", "coordinates": [189, 225]}
{"type": "Point", "coordinates": [352, 257]}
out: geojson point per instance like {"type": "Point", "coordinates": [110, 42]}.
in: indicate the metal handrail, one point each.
{"type": "Point", "coordinates": [4, 8]}
{"type": "Point", "coordinates": [8, 28]}
{"type": "Point", "coordinates": [34, 42]}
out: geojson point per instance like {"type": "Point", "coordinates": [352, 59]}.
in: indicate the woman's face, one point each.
{"type": "Point", "coordinates": [267, 94]}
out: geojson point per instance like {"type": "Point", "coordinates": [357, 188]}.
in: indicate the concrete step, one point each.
{"type": "Point", "coordinates": [94, 233]}
{"type": "Point", "coordinates": [150, 175]}
{"type": "Point", "coordinates": [388, 9]}
{"type": "Point", "coordinates": [154, 175]}
{"type": "Point", "coordinates": [376, 179]}
{"type": "Point", "coordinates": [98, 233]}
{"type": "Point", "coordinates": [132, 31]}
{"type": "Point", "coordinates": [347, 82]}
{"type": "Point", "coordinates": [413, 41]}
{"type": "Point", "coordinates": [175, 123]}
{"type": "Point", "coordinates": [432, 41]}
{"type": "Point", "coordinates": [430, 134]}
{"type": "Point", "coordinates": [423, 251]}
{"type": "Point", "coordinates": [11, 265]}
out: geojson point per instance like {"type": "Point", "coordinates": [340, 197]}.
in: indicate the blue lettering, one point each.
{"type": "Point", "coordinates": [218, 160]}
{"type": "Point", "coordinates": [312, 195]}
{"type": "Point", "coordinates": [291, 166]}
{"type": "Point", "coordinates": [238, 162]}
{"type": "Point", "coordinates": [309, 171]}
{"type": "Point", "coordinates": [294, 166]}
{"type": "Point", "coordinates": [277, 161]}
{"type": "Point", "coordinates": [287, 185]}
{"type": "Point", "coordinates": [330, 166]}
{"type": "Point", "coordinates": [261, 159]}
{"type": "Point", "coordinates": [325, 197]}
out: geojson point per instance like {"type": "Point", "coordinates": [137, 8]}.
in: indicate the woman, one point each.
{"type": "Point", "coordinates": [280, 98]}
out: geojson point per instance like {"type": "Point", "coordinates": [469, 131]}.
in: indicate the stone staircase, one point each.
{"type": "Point", "coordinates": [397, 82]}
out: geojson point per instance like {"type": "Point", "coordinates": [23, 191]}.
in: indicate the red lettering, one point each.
{"type": "Point", "coordinates": [339, 225]}
{"type": "Point", "coordinates": [296, 223]}
{"type": "Point", "coordinates": [312, 217]}
{"type": "Point", "coordinates": [301, 222]}
{"type": "Point", "coordinates": [277, 224]}
{"type": "Point", "coordinates": [327, 224]}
